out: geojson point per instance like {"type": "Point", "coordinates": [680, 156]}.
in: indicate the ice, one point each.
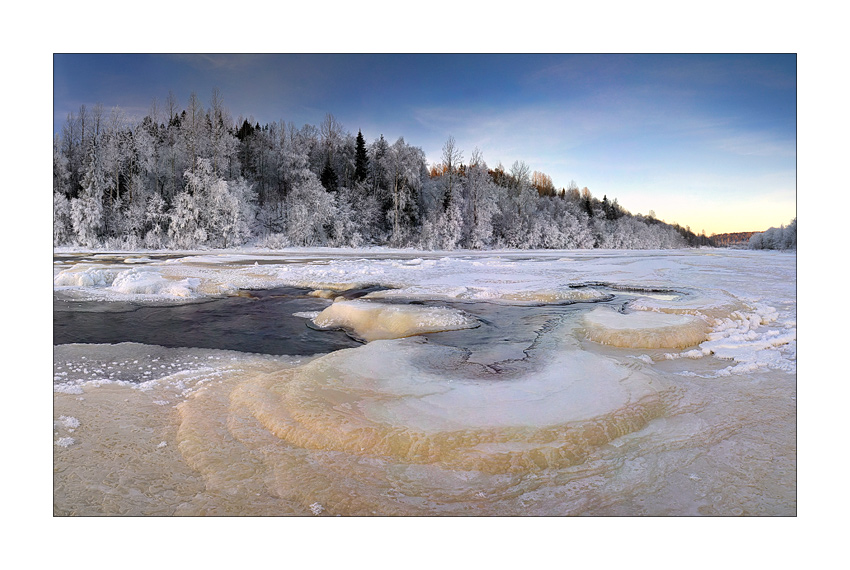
{"type": "Point", "coordinates": [140, 282]}
{"type": "Point", "coordinates": [644, 329]}
{"type": "Point", "coordinates": [310, 315]}
{"type": "Point", "coordinates": [94, 276]}
{"type": "Point", "coordinates": [425, 425]}
{"type": "Point", "coordinates": [324, 293]}
{"type": "Point", "coordinates": [372, 321]}
{"type": "Point", "coordinates": [493, 294]}
{"type": "Point", "coordinates": [394, 398]}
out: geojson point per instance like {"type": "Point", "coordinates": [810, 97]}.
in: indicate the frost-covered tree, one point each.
{"type": "Point", "coordinates": [61, 171]}
{"type": "Point", "coordinates": [783, 237]}
{"type": "Point", "coordinates": [310, 212]}
{"type": "Point", "coordinates": [195, 178]}
{"type": "Point", "coordinates": [523, 198]}
{"type": "Point", "coordinates": [479, 203]}
{"type": "Point", "coordinates": [114, 153]}
{"type": "Point", "coordinates": [192, 129]}
{"type": "Point", "coordinates": [222, 144]}
{"type": "Point", "coordinates": [156, 222]}
{"type": "Point", "coordinates": [219, 212]}
{"type": "Point", "coordinates": [378, 179]}
{"type": "Point", "coordinates": [404, 166]}
{"type": "Point", "coordinates": [62, 228]}
{"type": "Point", "coordinates": [87, 208]}
{"type": "Point", "coordinates": [186, 229]}
{"type": "Point", "coordinates": [450, 219]}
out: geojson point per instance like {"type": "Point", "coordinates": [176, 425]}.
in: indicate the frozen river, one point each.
{"type": "Point", "coordinates": [382, 382]}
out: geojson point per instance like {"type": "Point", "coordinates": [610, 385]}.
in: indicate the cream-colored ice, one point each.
{"type": "Point", "coordinates": [643, 329]}
{"type": "Point", "coordinates": [372, 321]}
{"type": "Point", "coordinates": [370, 430]}
{"type": "Point", "coordinates": [324, 293]}
{"type": "Point", "coordinates": [391, 398]}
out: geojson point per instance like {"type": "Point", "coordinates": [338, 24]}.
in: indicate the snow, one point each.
{"type": "Point", "coordinates": [69, 422]}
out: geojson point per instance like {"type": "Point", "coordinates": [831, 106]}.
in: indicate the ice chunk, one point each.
{"type": "Point", "coordinates": [306, 314]}
{"type": "Point", "coordinates": [373, 321]}
{"type": "Point", "coordinates": [324, 293]}
{"type": "Point", "coordinates": [643, 329]}
{"type": "Point", "coordinates": [91, 276]}
{"type": "Point", "coordinates": [146, 282]}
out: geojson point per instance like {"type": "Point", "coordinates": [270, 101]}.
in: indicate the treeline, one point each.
{"type": "Point", "coordinates": [193, 177]}
{"type": "Point", "coordinates": [731, 239]}
{"type": "Point", "coordinates": [783, 237]}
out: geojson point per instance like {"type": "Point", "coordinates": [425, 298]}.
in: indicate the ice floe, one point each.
{"type": "Point", "coordinates": [373, 321]}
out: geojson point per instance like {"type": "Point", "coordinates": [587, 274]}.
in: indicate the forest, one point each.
{"type": "Point", "coordinates": [192, 177]}
{"type": "Point", "coordinates": [783, 237]}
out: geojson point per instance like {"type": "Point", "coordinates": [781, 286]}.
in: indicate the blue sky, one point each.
{"type": "Point", "coordinates": [707, 141]}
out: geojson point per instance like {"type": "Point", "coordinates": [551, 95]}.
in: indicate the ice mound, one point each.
{"type": "Point", "coordinates": [141, 282]}
{"type": "Point", "coordinates": [712, 304]}
{"type": "Point", "coordinates": [389, 401]}
{"type": "Point", "coordinates": [372, 321]}
{"type": "Point", "coordinates": [644, 329]}
{"type": "Point", "coordinates": [91, 276]}
{"type": "Point", "coordinates": [135, 281]}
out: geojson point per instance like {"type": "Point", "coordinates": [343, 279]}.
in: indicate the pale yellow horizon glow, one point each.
{"type": "Point", "coordinates": [756, 215]}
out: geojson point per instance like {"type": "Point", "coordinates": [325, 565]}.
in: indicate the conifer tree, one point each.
{"type": "Point", "coordinates": [361, 159]}
{"type": "Point", "coordinates": [329, 177]}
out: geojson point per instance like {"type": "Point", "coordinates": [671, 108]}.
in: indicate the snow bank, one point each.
{"type": "Point", "coordinates": [372, 321]}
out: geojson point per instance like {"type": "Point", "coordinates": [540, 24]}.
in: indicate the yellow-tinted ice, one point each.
{"type": "Point", "coordinates": [644, 329]}
{"type": "Point", "coordinates": [373, 321]}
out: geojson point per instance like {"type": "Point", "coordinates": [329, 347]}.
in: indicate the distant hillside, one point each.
{"type": "Point", "coordinates": [731, 239]}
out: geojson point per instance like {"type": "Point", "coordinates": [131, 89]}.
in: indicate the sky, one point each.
{"type": "Point", "coordinates": [705, 141]}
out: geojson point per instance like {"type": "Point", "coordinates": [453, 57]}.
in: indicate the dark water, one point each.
{"type": "Point", "coordinates": [261, 322]}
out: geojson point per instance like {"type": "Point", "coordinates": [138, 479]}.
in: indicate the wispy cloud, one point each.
{"type": "Point", "coordinates": [762, 144]}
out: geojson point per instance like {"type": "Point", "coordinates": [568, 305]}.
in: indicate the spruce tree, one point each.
{"type": "Point", "coordinates": [361, 159]}
{"type": "Point", "coordinates": [329, 177]}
